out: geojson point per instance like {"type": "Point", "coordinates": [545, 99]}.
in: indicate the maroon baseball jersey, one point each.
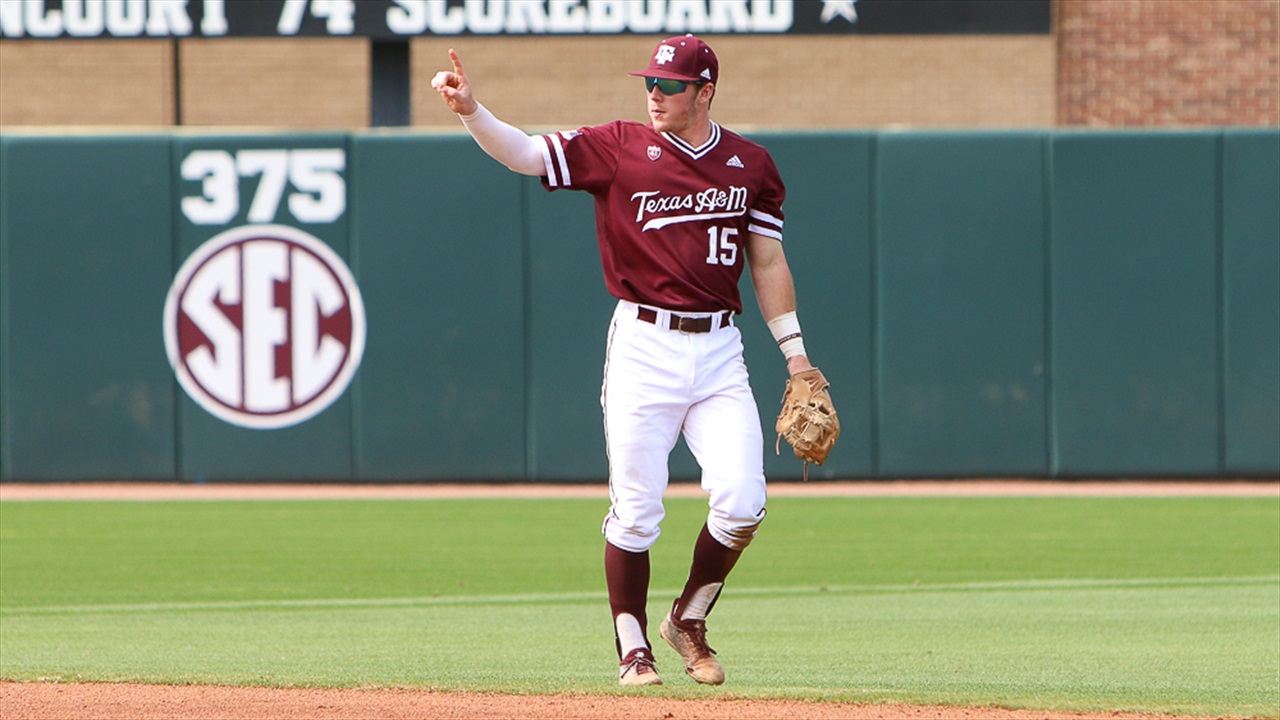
{"type": "Point", "coordinates": [671, 219]}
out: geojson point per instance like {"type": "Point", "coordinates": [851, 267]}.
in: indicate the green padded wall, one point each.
{"type": "Point", "coordinates": [437, 232]}
{"type": "Point", "coordinates": [210, 448]}
{"type": "Point", "coordinates": [827, 236]}
{"type": "Point", "coordinates": [1251, 259]}
{"type": "Point", "coordinates": [568, 316]}
{"type": "Point", "coordinates": [5, 442]}
{"type": "Point", "coordinates": [86, 227]}
{"type": "Point", "coordinates": [1135, 298]}
{"type": "Point", "coordinates": [960, 221]}
{"type": "Point", "coordinates": [985, 303]}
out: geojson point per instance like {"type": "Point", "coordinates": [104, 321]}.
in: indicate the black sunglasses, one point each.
{"type": "Point", "coordinates": [668, 87]}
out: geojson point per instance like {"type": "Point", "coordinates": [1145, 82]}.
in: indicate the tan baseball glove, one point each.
{"type": "Point", "coordinates": [808, 419]}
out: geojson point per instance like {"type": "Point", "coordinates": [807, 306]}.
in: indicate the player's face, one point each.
{"type": "Point", "coordinates": [676, 112]}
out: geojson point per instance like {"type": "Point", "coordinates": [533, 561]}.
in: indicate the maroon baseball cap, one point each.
{"type": "Point", "coordinates": [684, 58]}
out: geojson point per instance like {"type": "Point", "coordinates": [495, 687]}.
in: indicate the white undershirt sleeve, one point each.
{"type": "Point", "coordinates": [507, 144]}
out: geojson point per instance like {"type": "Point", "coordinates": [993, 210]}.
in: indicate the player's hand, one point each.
{"type": "Point", "coordinates": [454, 87]}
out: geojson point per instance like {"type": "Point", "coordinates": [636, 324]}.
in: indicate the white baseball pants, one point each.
{"type": "Point", "coordinates": [658, 383]}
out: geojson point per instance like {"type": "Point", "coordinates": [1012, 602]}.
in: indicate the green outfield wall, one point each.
{"type": "Point", "coordinates": [397, 307]}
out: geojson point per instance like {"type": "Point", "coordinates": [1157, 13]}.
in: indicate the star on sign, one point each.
{"type": "Point", "coordinates": [842, 8]}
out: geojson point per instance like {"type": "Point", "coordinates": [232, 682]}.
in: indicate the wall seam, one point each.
{"type": "Point", "coordinates": [175, 262]}
{"type": "Point", "coordinates": [526, 321]}
{"type": "Point", "coordinates": [6, 428]}
{"type": "Point", "coordinates": [1220, 280]}
{"type": "Point", "coordinates": [876, 334]}
{"type": "Point", "coordinates": [356, 405]}
{"type": "Point", "coordinates": [1050, 407]}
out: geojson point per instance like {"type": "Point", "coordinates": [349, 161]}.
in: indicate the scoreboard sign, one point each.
{"type": "Point", "coordinates": [393, 19]}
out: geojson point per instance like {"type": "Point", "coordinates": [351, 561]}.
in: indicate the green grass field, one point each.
{"type": "Point", "coordinates": [1162, 605]}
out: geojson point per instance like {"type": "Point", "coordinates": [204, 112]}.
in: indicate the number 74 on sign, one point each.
{"type": "Point", "coordinates": [339, 15]}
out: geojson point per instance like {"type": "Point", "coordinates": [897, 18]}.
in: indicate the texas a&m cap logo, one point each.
{"type": "Point", "coordinates": [686, 58]}
{"type": "Point", "coordinates": [264, 326]}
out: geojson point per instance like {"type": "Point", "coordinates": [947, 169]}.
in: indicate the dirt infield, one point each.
{"type": "Point", "coordinates": [121, 701]}
{"type": "Point", "coordinates": [110, 701]}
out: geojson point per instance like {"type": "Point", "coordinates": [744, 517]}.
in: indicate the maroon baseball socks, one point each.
{"type": "Point", "coordinates": [712, 562]}
{"type": "Point", "coordinates": [627, 575]}
{"type": "Point", "coordinates": [685, 628]}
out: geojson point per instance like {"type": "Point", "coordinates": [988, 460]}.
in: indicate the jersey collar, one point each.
{"type": "Point", "coordinates": [690, 150]}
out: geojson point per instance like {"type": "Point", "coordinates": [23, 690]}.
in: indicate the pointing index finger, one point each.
{"type": "Point", "coordinates": [457, 63]}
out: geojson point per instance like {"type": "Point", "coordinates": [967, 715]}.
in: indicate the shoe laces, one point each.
{"type": "Point", "coordinates": [638, 660]}
{"type": "Point", "coordinates": [696, 630]}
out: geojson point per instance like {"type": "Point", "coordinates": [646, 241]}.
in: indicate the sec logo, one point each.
{"type": "Point", "coordinates": [264, 326]}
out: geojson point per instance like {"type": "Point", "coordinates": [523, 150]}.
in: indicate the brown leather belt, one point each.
{"type": "Point", "coordinates": [684, 323]}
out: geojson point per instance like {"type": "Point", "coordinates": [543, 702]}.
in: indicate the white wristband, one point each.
{"type": "Point", "coordinates": [786, 330]}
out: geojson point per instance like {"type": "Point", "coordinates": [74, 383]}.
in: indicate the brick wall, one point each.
{"type": "Point", "coordinates": [768, 82]}
{"type": "Point", "coordinates": [270, 82]}
{"type": "Point", "coordinates": [948, 81]}
{"type": "Point", "coordinates": [249, 82]}
{"type": "Point", "coordinates": [1168, 62]}
{"type": "Point", "coordinates": [86, 82]}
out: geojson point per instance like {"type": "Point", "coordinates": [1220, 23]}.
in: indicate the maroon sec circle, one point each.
{"type": "Point", "coordinates": [264, 326]}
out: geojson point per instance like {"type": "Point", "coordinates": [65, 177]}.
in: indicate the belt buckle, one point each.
{"type": "Point", "coordinates": [686, 324]}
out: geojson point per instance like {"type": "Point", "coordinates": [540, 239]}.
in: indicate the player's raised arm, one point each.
{"type": "Point", "coordinates": [507, 144]}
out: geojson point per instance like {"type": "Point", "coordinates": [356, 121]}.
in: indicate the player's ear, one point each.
{"type": "Point", "coordinates": [707, 93]}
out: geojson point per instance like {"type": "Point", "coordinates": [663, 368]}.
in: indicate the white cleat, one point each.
{"type": "Point", "coordinates": [689, 638]}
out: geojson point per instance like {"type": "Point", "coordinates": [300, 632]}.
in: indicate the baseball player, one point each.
{"type": "Point", "coordinates": [682, 207]}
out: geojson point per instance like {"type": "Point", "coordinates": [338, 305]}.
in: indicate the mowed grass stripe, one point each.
{"type": "Point", "coordinates": [111, 553]}
{"type": "Point", "coordinates": [656, 594]}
